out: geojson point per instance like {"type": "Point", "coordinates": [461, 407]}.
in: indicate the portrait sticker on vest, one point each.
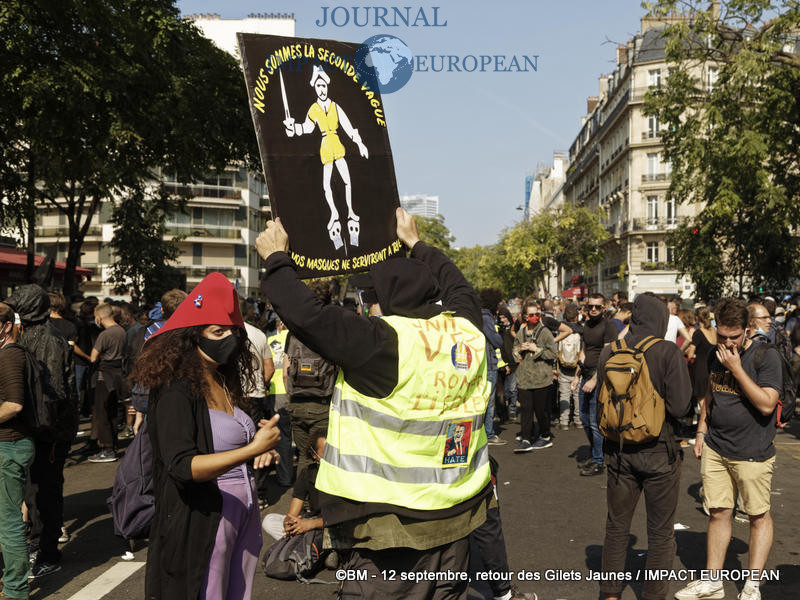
{"type": "Point", "coordinates": [325, 151]}
{"type": "Point", "coordinates": [461, 357]}
{"type": "Point", "coordinates": [456, 445]}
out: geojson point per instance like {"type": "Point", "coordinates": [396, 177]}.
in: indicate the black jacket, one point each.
{"type": "Point", "coordinates": [366, 349]}
{"type": "Point", "coordinates": [668, 371]}
{"type": "Point", "coordinates": [187, 513]}
{"type": "Point", "coordinates": [48, 345]}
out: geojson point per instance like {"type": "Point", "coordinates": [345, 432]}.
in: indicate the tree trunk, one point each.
{"type": "Point", "coordinates": [73, 261]}
{"type": "Point", "coordinates": [30, 248]}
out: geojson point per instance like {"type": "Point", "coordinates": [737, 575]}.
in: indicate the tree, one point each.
{"type": "Point", "coordinates": [434, 232]}
{"type": "Point", "coordinates": [731, 135]}
{"type": "Point", "coordinates": [142, 251]}
{"type": "Point", "coordinates": [97, 95]}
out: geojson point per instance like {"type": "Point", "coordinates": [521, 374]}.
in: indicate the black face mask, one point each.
{"type": "Point", "coordinates": [225, 351]}
{"type": "Point", "coordinates": [595, 319]}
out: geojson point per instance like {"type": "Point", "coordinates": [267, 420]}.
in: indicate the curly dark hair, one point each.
{"type": "Point", "coordinates": [173, 355]}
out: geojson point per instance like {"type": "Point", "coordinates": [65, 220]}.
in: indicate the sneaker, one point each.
{"type": "Point", "coordinates": [517, 595]}
{"type": "Point", "coordinates": [496, 441]}
{"type": "Point", "coordinates": [126, 433]}
{"type": "Point", "coordinates": [542, 443]}
{"type": "Point", "coordinates": [750, 593]}
{"type": "Point", "coordinates": [583, 463]}
{"type": "Point", "coordinates": [332, 560]}
{"type": "Point", "coordinates": [592, 468]}
{"type": "Point", "coordinates": [518, 437]}
{"type": "Point", "coordinates": [41, 568]}
{"type": "Point", "coordinates": [104, 456]}
{"type": "Point", "coordinates": [701, 590]}
{"type": "Point", "coordinates": [523, 446]}
{"type": "Point", "coordinates": [64, 536]}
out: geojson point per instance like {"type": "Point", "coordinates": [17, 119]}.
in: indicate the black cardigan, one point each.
{"type": "Point", "coordinates": [187, 513]}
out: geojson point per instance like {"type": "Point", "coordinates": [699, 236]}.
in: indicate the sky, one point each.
{"type": "Point", "coordinates": [471, 138]}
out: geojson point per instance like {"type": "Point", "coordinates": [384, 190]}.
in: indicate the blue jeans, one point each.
{"type": "Point", "coordinates": [510, 393]}
{"type": "Point", "coordinates": [15, 460]}
{"type": "Point", "coordinates": [589, 422]}
{"type": "Point", "coordinates": [491, 377]}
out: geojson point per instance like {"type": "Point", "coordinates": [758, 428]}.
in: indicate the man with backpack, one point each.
{"type": "Point", "coordinates": [310, 380]}
{"type": "Point", "coordinates": [45, 494]}
{"type": "Point", "coordinates": [16, 456]}
{"type": "Point", "coordinates": [735, 434]}
{"type": "Point", "coordinates": [644, 390]}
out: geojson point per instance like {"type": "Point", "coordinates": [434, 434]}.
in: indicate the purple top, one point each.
{"type": "Point", "coordinates": [231, 432]}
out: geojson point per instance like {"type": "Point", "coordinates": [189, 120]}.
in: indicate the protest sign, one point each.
{"type": "Point", "coordinates": [325, 151]}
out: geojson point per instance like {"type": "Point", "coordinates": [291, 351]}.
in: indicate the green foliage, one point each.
{"type": "Point", "coordinates": [434, 232]}
{"type": "Point", "coordinates": [141, 251]}
{"type": "Point", "coordinates": [734, 149]}
{"type": "Point", "coordinates": [97, 94]}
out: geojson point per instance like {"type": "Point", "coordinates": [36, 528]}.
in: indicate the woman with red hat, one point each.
{"type": "Point", "coordinates": [205, 538]}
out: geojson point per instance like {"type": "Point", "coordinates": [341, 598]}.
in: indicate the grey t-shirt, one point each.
{"type": "Point", "coordinates": [736, 430]}
{"type": "Point", "coordinates": [110, 344]}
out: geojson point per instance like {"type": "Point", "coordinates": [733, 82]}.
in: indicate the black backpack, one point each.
{"type": "Point", "coordinates": [295, 557]}
{"type": "Point", "coordinates": [787, 398]}
{"type": "Point", "coordinates": [132, 502]}
{"type": "Point", "coordinates": [308, 374]}
{"type": "Point", "coordinates": [40, 411]}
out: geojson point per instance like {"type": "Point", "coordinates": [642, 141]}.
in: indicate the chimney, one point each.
{"type": "Point", "coordinates": [622, 54]}
{"type": "Point", "coordinates": [591, 104]}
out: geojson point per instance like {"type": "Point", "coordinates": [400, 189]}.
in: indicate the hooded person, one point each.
{"type": "Point", "coordinates": [654, 467]}
{"type": "Point", "coordinates": [394, 494]}
{"type": "Point", "coordinates": [45, 494]}
{"type": "Point", "coordinates": [205, 537]}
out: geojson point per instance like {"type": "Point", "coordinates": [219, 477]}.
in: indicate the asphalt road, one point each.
{"type": "Point", "coordinates": [553, 522]}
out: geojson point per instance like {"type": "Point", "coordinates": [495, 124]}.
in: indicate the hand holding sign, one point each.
{"type": "Point", "coordinates": [273, 239]}
{"type": "Point", "coordinates": [406, 228]}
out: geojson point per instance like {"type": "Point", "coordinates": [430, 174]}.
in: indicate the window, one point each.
{"type": "Point", "coordinates": [240, 255]}
{"type": "Point", "coordinates": [654, 78]}
{"type": "Point", "coordinates": [712, 73]}
{"type": "Point", "coordinates": [197, 254]}
{"type": "Point", "coordinates": [652, 126]}
{"type": "Point", "coordinates": [652, 165]}
{"type": "Point", "coordinates": [672, 215]}
{"type": "Point", "coordinates": [197, 215]}
{"type": "Point", "coordinates": [652, 252]}
{"type": "Point", "coordinates": [671, 255]}
{"type": "Point", "coordinates": [652, 210]}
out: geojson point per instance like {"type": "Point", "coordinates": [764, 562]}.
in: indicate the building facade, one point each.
{"type": "Point", "coordinates": [422, 205]}
{"type": "Point", "coordinates": [224, 216]}
{"type": "Point", "coordinates": [617, 163]}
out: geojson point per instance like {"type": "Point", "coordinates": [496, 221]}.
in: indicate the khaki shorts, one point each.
{"type": "Point", "coordinates": [723, 478]}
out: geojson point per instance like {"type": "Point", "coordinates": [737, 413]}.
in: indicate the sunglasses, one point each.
{"type": "Point", "coordinates": [594, 307]}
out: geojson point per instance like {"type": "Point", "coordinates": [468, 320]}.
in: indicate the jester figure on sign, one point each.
{"type": "Point", "coordinates": [327, 115]}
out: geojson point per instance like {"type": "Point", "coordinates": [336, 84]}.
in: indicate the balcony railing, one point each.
{"type": "Point", "coordinates": [205, 191]}
{"type": "Point", "coordinates": [658, 266]}
{"type": "Point", "coordinates": [648, 177]}
{"type": "Point", "coordinates": [651, 135]}
{"type": "Point", "coordinates": [200, 272]}
{"type": "Point", "coordinates": [63, 231]}
{"type": "Point", "coordinates": [205, 231]}
{"type": "Point", "coordinates": [656, 223]}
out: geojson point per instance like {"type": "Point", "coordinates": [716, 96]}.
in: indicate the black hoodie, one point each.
{"type": "Point", "coordinates": [47, 344]}
{"type": "Point", "coordinates": [668, 370]}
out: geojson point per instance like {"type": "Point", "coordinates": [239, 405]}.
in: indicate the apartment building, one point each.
{"type": "Point", "coordinates": [226, 213]}
{"type": "Point", "coordinates": [423, 205]}
{"type": "Point", "coordinates": [617, 163]}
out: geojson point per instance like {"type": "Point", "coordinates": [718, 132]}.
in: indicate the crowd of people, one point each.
{"type": "Point", "coordinates": [347, 402]}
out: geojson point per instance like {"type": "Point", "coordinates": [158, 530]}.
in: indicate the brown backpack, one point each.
{"type": "Point", "coordinates": [629, 409]}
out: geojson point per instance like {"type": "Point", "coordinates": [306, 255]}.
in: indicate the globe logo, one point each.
{"type": "Point", "coordinates": [384, 62]}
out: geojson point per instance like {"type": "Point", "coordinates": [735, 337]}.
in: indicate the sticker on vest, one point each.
{"type": "Point", "coordinates": [306, 366]}
{"type": "Point", "coordinates": [456, 446]}
{"type": "Point", "coordinates": [461, 357]}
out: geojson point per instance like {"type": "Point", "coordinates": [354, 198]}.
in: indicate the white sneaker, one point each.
{"type": "Point", "coordinates": [701, 590]}
{"type": "Point", "coordinates": [750, 593]}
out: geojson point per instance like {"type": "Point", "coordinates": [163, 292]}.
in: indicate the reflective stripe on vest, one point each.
{"type": "Point", "coordinates": [277, 345]}
{"type": "Point", "coordinates": [423, 446]}
{"type": "Point", "coordinates": [500, 362]}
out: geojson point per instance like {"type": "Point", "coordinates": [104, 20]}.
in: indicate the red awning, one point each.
{"type": "Point", "coordinates": [14, 257]}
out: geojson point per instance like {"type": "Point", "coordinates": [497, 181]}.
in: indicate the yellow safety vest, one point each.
{"type": "Point", "coordinates": [424, 445]}
{"type": "Point", "coordinates": [277, 344]}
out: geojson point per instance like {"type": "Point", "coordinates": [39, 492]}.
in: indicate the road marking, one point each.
{"type": "Point", "coordinates": [792, 454]}
{"type": "Point", "coordinates": [103, 585]}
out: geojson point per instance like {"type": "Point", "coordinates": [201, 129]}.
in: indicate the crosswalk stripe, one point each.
{"type": "Point", "coordinates": [104, 584]}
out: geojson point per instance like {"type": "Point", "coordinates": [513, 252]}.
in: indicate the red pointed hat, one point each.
{"type": "Point", "coordinates": [212, 302]}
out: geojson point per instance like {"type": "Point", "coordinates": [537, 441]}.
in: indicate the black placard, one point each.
{"type": "Point", "coordinates": [338, 132]}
